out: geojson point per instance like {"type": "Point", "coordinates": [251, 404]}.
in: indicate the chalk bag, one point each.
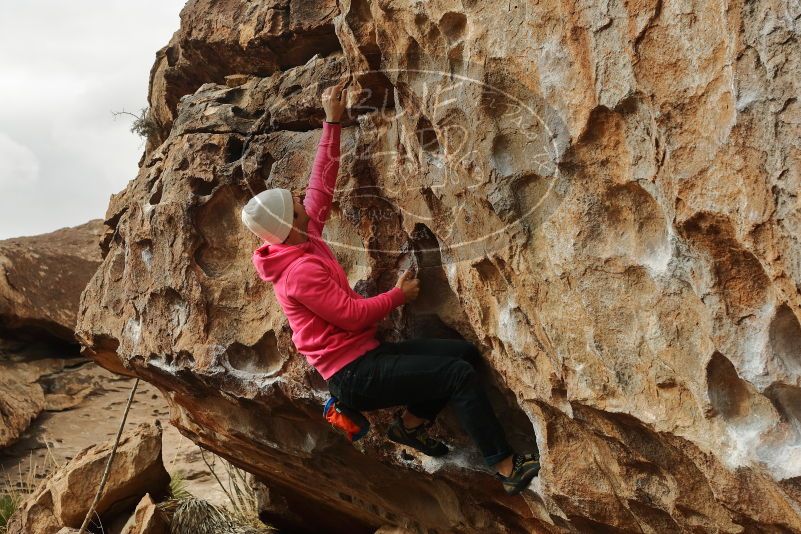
{"type": "Point", "coordinates": [345, 420]}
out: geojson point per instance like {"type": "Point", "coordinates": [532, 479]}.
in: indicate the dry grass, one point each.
{"type": "Point", "coordinates": [188, 514]}
{"type": "Point", "coordinates": [242, 499]}
{"type": "Point", "coordinates": [16, 487]}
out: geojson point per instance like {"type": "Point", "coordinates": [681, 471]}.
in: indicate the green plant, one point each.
{"type": "Point", "coordinates": [8, 504]}
{"type": "Point", "coordinates": [178, 487]}
{"type": "Point", "coordinates": [178, 494]}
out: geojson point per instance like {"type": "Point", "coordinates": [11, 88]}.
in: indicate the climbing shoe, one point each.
{"type": "Point", "coordinates": [524, 468]}
{"type": "Point", "coordinates": [417, 438]}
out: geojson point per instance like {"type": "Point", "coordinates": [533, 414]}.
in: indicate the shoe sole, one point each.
{"type": "Point", "coordinates": [523, 483]}
{"type": "Point", "coordinates": [401, 442]}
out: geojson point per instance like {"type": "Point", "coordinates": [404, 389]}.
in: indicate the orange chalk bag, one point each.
{"type": "Point", "coordinates": [345, 420]}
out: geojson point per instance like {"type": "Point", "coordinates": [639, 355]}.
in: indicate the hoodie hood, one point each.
{"type": "Point", "coordinates": [272, 260]}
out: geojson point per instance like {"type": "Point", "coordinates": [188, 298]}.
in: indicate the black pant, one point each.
{"type": "Point", "coordinates": [424, 374]}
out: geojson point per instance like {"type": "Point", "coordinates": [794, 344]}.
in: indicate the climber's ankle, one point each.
{"type": "Point", "coordinates": [411, 421]}
{"type": "Point", "coordinates": [504, 467]}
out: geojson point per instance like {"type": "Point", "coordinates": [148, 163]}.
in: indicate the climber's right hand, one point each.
{"type": "Point", "coordinates": [409, 285]}
{"type": "Point", "coordinates": [335, 100]}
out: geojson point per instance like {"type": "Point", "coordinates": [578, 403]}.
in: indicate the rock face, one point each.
{"type": "Point", "coordinates": [603, 199]}
{"type": "Point", "coordinates": [43, 277]}
{"type": "Point", "coordinates": [65, 498]}
{"type": "Point", "coordinates": [257, 38]}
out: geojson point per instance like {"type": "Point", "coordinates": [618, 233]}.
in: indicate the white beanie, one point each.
{"type": "Point", "coordinates": [270, 214]}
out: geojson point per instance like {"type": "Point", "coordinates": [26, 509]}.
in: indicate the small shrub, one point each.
{"type": "Point", "coordinates": [143, 124]}
{"type": "Point", "coordinates": [190, 515]}
{"type": "Point", "coordinates": [178, 487]}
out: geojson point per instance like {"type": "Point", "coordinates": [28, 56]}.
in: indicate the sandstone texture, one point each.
{"type": "Point", "coordinates": [42, 277]}
{"type": "Point", "coordinates": [146, 519]}
{"type": "Point", "coordinates": [64, 499]}
{"type": "Point", "coordinates": [602, 196]}
{"type": "Point", "coordinates": [21, 400]}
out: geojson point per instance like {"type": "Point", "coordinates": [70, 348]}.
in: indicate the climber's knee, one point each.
{"type": "Point", "coordinates": [462, 374]}
{"type": "Point", "coordinates": [472, 354]}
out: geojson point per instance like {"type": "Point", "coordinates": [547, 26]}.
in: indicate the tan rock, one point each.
{"type": "Point", "coordinates": [606, 205]}
{"type": "Point", "coordinates": [259, 40]}
{"type": "Point", "coordinates": [44, 276]}
{"type": "Point", "coordinates": [64, 498]}
{"type": "Point", "coordinates": [235, 80]}
{"type": "Point", "coordinates": [20, 403]}
{"type": "Point", "coordinates": [146, 519]}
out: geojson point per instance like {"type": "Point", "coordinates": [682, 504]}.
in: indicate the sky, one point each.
{"type": "Point", "coordinates": [64, 68]}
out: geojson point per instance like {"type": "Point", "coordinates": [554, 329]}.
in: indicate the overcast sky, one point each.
{"type": "Point", "coordinates": [64, 67]}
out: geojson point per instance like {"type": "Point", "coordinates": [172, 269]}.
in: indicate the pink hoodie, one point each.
{"type": "Point", "coordinates": [332, 325]}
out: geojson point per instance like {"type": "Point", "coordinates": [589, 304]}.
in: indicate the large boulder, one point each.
{"type": "Point", "coordinates": [64, 499]}
{"type": "Point", "coordinates": [21, 401]}
{"type": "Point", "coordinates": [258, 38]}
{"type": "Point", "coordinates": [604, 200]}
{"type": "Point", "coordinates": [43, 277]}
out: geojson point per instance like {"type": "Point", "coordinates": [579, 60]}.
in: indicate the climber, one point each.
{"type": "Point", "coordinates": [335, 328]}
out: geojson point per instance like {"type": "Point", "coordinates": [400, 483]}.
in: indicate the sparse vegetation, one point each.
{"type": "Point", "coordinates": [143, 124]}
{"type": "Point", "coordinates": [188, 514]}
{"type": "Point", "coordinates": [243, 505]}
{"type": "Point", "coordinates": [178, 487]}
{"type": "Point", "coordinates": [7, 506]}
{"type": "Point", "coordinates": [15, 488]}
{"type": "Point", "coordinates": [178, 494]}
